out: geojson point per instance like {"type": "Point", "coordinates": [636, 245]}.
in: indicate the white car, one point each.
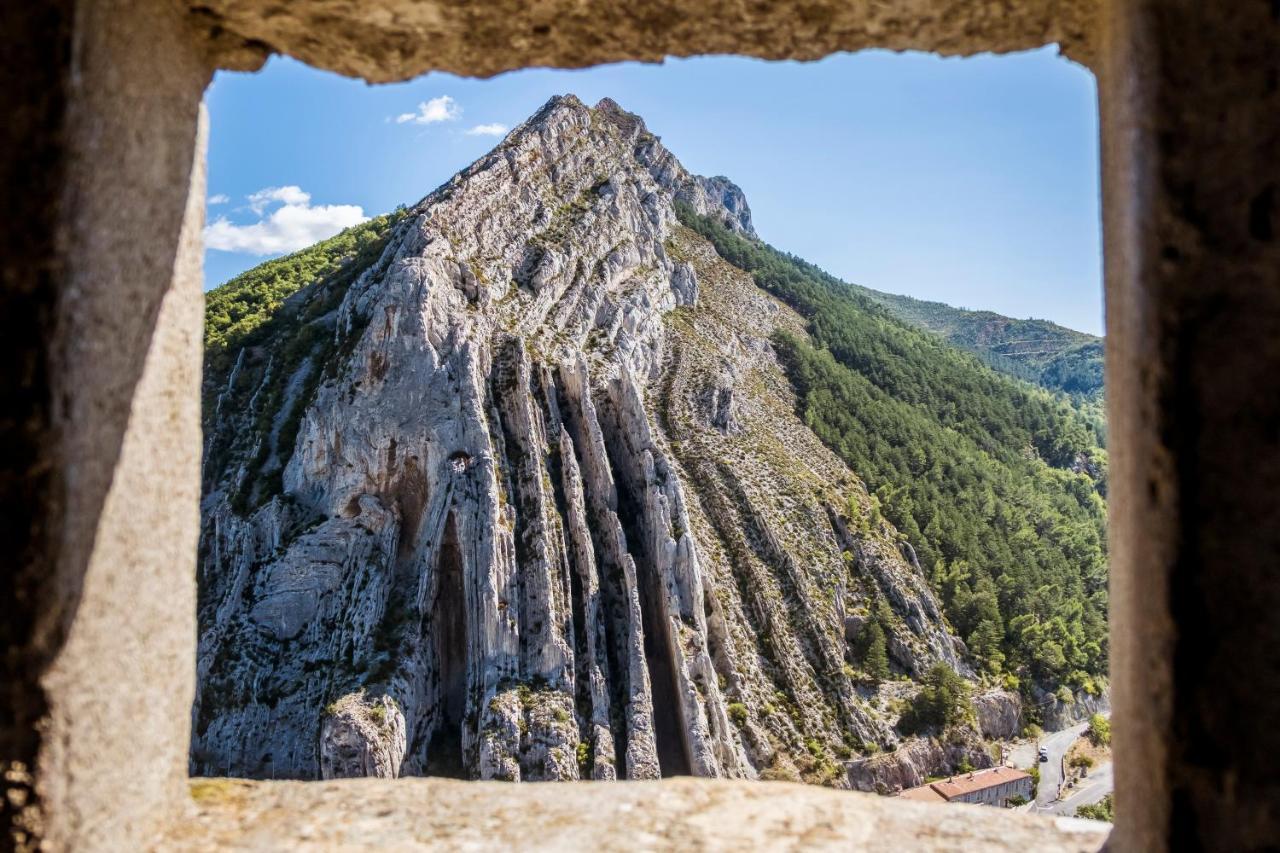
{"type": "Point", "coordinates": [1044, 753]}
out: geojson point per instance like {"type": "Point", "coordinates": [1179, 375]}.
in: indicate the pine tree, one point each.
{"type": "Point", "coordinates": [876, 657]}
{"type": "Point", "coordinates": [985, 643]}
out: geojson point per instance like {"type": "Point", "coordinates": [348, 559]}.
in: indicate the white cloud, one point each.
{"type": "Point", "coordinates": [292, 226]}
{"type": "Point", "coordinates": [494, 129]}
{"type": "Point", "coordinates": [263, 198]}
{"type": "Point", "coordinates": [219, 198]}
{"type": "Point", "coordinates": [443, 108]}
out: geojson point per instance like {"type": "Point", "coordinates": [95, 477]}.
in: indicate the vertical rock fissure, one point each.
{"type": "Point", "coordinates": [612, 595]}
{"type": "Point", "coordinates": [449, 632]}
{"type": "Point", "coordinates": [668, 723]}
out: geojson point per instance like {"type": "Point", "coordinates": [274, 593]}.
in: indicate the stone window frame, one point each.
{"type": "Point", "coordinates": [103, 178]}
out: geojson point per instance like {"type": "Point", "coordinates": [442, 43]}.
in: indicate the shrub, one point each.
{"type": "Point", "coordinates": [1017, 800]}
{"type": "Point", "coordinates": [1081, 761]}
{"type": "Point", "coordinates": [1099, 730]}
{"type": "Point", "coordinates": [1104, 810]}
{"type": "Point", "coordinates": [738, 713]}
{"type": "Point", "coordinates": [943, 701]}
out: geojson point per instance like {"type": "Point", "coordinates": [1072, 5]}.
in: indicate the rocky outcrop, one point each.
{"type": "Point", "coordinates": [918, 758]}
{"type": "Point", "coordinates": [540, 485]}
{"type": "Point", "coordinates": [1057, 714]}
{"type": "Point", "coordinates": [999, 714]}
{"type": "Point", "coordinates": [360, 738]}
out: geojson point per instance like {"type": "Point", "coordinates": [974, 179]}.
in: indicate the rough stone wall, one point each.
{"type": "Point", "coordinates": [34, 69]}
{"type": "Point", "coordinates": [673, 814]}
{"type": "Point", "coordinates": [1190, 97]}
{"type": "Point", "coordinates": [1189, 137]}
{"type": "Point", "coordinates": [107, 386]}
{"type": "Point", "coordinates": [397, 39]}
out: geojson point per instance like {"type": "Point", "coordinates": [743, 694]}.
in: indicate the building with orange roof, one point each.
{"type": "Point", "coordinates": [994, 786]}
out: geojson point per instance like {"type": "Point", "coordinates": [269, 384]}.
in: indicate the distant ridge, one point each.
{"type": "Point", "coordinates": [1039, 351]}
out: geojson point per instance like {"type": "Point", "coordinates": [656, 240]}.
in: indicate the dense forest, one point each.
{"type": "Point", "coordinates": [997, 484]}
{"type": "Point", "coordinates": [1050, 355]}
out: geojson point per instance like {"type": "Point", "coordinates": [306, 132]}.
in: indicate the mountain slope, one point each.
{"type": "Point", "coordinates": [1054, 356]}
{"type": "Point", "coordinates": [517, 483]}
{"type": "Point", "coordinates": [989, 479]}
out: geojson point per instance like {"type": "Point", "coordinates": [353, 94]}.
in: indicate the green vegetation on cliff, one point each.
{"type": "Point", "coordinates": [269, 337]}
{"type": "Point", "coordinates": [996, 484]}
{"type": "Point", "coordinates": [241, 312]}
{"type": "Point", "coordinates": [1056, 357]}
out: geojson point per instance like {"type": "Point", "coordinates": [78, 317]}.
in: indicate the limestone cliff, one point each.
{"type": "Point", "coordinates": [523, 496]}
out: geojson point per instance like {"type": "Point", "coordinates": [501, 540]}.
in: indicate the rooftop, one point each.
{"type": "Point", "coordinates": [958, 786]}
{"type": "Point", "coordinates": [923, 794]}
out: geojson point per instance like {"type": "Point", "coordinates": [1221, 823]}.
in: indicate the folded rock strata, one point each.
{"type": "Point", "coordinates": [531, 482]}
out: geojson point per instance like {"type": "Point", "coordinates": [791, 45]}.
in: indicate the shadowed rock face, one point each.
{"type": "Point", "coordinates": [548, 501]}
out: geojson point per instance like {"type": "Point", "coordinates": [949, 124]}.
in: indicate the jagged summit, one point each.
{"type": "Point", "coordinates": [566, 113]}
{"type": "Point", "coordinates": [519, 492]}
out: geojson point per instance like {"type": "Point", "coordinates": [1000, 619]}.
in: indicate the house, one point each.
{"type": "Point", "coordinates": [992, 787]}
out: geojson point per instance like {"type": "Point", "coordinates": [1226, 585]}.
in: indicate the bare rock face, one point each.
{"type": "Point", "coordinates": [910, 764]}
{"type": "Point", "coordinates": [1058, 714]}
{"type": "Point", "coordinates": [541, 487]}
{"type": "Point", "coordinates": [999, 714]}
{"type": "Point", "coordinates": [361, 738]}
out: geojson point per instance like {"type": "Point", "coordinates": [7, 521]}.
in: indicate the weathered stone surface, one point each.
{"type": "Point", "coordinates": [398, 39]}
{"type": "Point", "coordinates": [673, 814]}
{"type": "Point", "coordinates": [1191, 367]}
{"type": "Point", "coordinates": [110, 604]}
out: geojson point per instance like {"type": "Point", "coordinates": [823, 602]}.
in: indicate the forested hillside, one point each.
{"type": "Point", "coordinates": [988, 478]}
{"type": "Point", "coordinates": [1038, 351]}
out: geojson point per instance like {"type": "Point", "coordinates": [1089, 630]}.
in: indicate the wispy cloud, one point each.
{"type": "Point", "coordinates": [219, 198]}
{"type": "Point", "coordinates": [263, 198]}
{"type": "Point", "coordinates": [294, 225]}
{"type": "Point", "coordinates": [443, 108]}
{"type": "Point", "coordinates": [494, 129]}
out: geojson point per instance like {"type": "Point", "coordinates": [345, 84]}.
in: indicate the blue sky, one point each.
{"type": "Point", "coordinates": [969, 181]}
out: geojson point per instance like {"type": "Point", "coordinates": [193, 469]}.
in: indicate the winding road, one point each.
{"type": "Point", "coordinates": [1090, 790]}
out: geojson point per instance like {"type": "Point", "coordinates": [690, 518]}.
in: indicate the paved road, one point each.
{"type": "Point", "coordinates": [1088, 791]}
{"type": "Point", "coordinates": [1024, 755]}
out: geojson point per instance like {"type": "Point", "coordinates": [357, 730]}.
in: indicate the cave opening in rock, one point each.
{"type": "Point", "coordinates": [449, 635]}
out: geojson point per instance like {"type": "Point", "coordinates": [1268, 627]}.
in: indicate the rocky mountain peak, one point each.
{"type": "Point", "coordinates": [523, 495]}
